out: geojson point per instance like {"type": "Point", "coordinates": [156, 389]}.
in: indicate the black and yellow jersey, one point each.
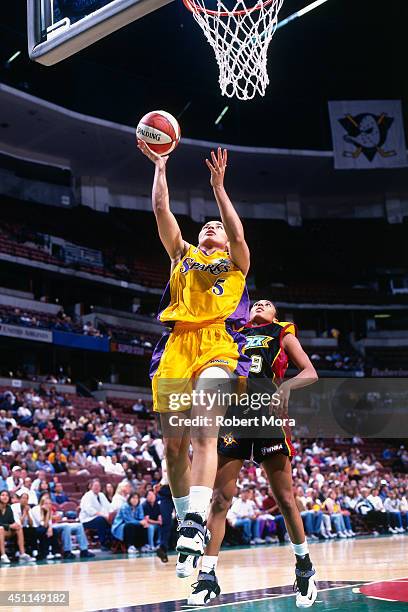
{"type": "Point", "coordinates": [264, 346]}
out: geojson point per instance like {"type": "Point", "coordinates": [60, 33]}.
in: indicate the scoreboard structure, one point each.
{"type": "Point", "coordinates": [58, 29]}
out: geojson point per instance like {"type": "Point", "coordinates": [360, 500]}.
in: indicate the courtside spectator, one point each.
{"type": "Point", "coordinates": [166, 510]}
{"type": "Point", "coordinates": [66, 530]}
{"type": "Point", "coordinates": [376, 519]}
{"type": "Point", "coordinates": [9, 528]}
{"type": "Point", "coordinates": [312, 520]}
{"type": "Point", "coordinates": [392, 507]}
{"type": "Point", "coordinates": [94, 513]}
{"type": "Point", "coordinates": [121, 495]}
{"type": "Point", "coordinates": [333, 509]}
{"type": "Point", "coordinates": [41, 516]}
{"type": "Point", "coordinates": [242, 514]}
{"type": "Point", "coordinates": [151, 510]}
{"type": "Point", "coordinates": [21, 513]}
{"type": "Point", "coordinates": [109, 490]}
{"type": "Point", "coordinates": [130, 524]}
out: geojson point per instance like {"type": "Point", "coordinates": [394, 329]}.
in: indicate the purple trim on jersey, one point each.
{"type": "Point", "coordinates": [240, 316]}
{"type": "Point", "coordinates": [164, 302]}
{"type": "Point", "coordinates": [158, 353]}
{"type": "Point", "coordinates": [244, 362]}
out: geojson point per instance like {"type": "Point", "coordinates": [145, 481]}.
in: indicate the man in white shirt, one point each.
{"type": "Point", "coordinates": [139, 406]}
{"type": "Point", "coordinates": [243, 514]}
{"type": "Point", "coordinates": [19, 445]}
{"type": "Point", "coordinates": [15, 481]}
{"type": "Point", "coordinates": [374, 518]}
{"type": "Point", "coordinates": [129, 443]}
{"type": "Point", "coordinates": [366, 467]}
{"type": "Point", "coordinates": [376, 500]}
{"type": "Point", "coordinates": [11, 419]}
{"type": "Point", "coordinates": [94, 513]}
{"type": "Point", "coordinates": [112, 466]}
{"type": "Point", "coordinates": [41, 414]}
{"type": "Point", "coordinates": [24, 413]}
{"type": "Point", "coordinates": [41, 475]}
{"type": "Point", "coordinates": [392, 507]}
{"type": "Point", "coordinates": [32, 495]}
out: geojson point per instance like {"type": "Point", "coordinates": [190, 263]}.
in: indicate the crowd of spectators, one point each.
{"type": "Point", "coordinates": [41, 320]}
{"type": "Point", "coordinates": [65, 323]}
{"type": "Point", "coordinates": [90, 474]}
{"type": "Point", "coordinates": [338, 360]}
{"type": "Point", "coordinates": [20, 240]}
{"type": "Point", "coordinates": [322, 360]}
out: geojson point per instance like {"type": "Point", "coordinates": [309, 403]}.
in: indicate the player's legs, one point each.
{"type": "Point", "coordinates": [171, 370]}
{"type": "Point", "coordinates": [224, 490]}
{"type": "Point", "coordinates": [206, 588]}
{"type": "Point", "coordinates": [193, 533]}
{"type": "Point", "coordinates": [279, 472]}
{"type": "Point", "coordinates": [176, 452]}
{"type": "Point", "coordinates": [204, 439]}
{"type": "Point", "coordinates": [178, 465]}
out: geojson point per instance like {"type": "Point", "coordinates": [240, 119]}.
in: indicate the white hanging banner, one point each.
{"type": "Point", "coordinates": [368, 134]}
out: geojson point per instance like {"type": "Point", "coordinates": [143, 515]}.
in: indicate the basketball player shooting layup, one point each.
{"type": "Point", "coordinates": [205, 301]}
{"type": "Point", "coordinates": [270, 344]}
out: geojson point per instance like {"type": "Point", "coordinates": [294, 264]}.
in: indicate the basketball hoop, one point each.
{"type": "Point", "coordinates": [240, 39]}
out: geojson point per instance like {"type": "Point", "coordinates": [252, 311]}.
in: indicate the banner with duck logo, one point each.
{"type": "Point", "coordinates": [368, 134]}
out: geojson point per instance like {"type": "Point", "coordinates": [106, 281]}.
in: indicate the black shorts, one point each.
{"type": "Point", "coordinates": [251, 442]}
{"type": "Point", "coordinates": [257, 449]}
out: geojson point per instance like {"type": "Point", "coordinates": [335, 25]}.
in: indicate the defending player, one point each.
{"type": "Point", "coordinates": [270, 344]}
{"type": "Point", "coordinates": [205, 301]}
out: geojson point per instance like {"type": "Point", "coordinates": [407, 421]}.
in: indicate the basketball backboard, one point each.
{"type": "Point", "coordinates": [60, 28]}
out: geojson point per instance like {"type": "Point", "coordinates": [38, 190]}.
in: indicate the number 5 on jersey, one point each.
{"type": "Point", "coordinates": [218, 289]}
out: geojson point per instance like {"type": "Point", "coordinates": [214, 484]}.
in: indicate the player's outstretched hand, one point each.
{"type": "Point", "coordinates": [158, 160]}
{"type": "Point", "coordinates": [217, 167]}
{"type": "Point", "coordinates": [281, 410]}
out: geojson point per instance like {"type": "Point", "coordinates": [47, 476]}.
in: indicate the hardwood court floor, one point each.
{"type": "Point", "coordinates": [249, 577]}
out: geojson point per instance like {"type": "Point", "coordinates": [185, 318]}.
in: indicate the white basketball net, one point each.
{"type": "Point", "coordinates": [240, 43]}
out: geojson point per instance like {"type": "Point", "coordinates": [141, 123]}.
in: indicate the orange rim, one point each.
{"type": "Point", "coordinates": [196, 8]}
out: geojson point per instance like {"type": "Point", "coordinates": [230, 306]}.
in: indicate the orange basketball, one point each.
{"type": "Point", "coordinates": [160, 131]}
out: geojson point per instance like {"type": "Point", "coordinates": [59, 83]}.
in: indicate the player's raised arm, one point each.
{"type": "Point", "coordinates": [232, 224]}
{"type": "Point", "coordinates": [169, 230]}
